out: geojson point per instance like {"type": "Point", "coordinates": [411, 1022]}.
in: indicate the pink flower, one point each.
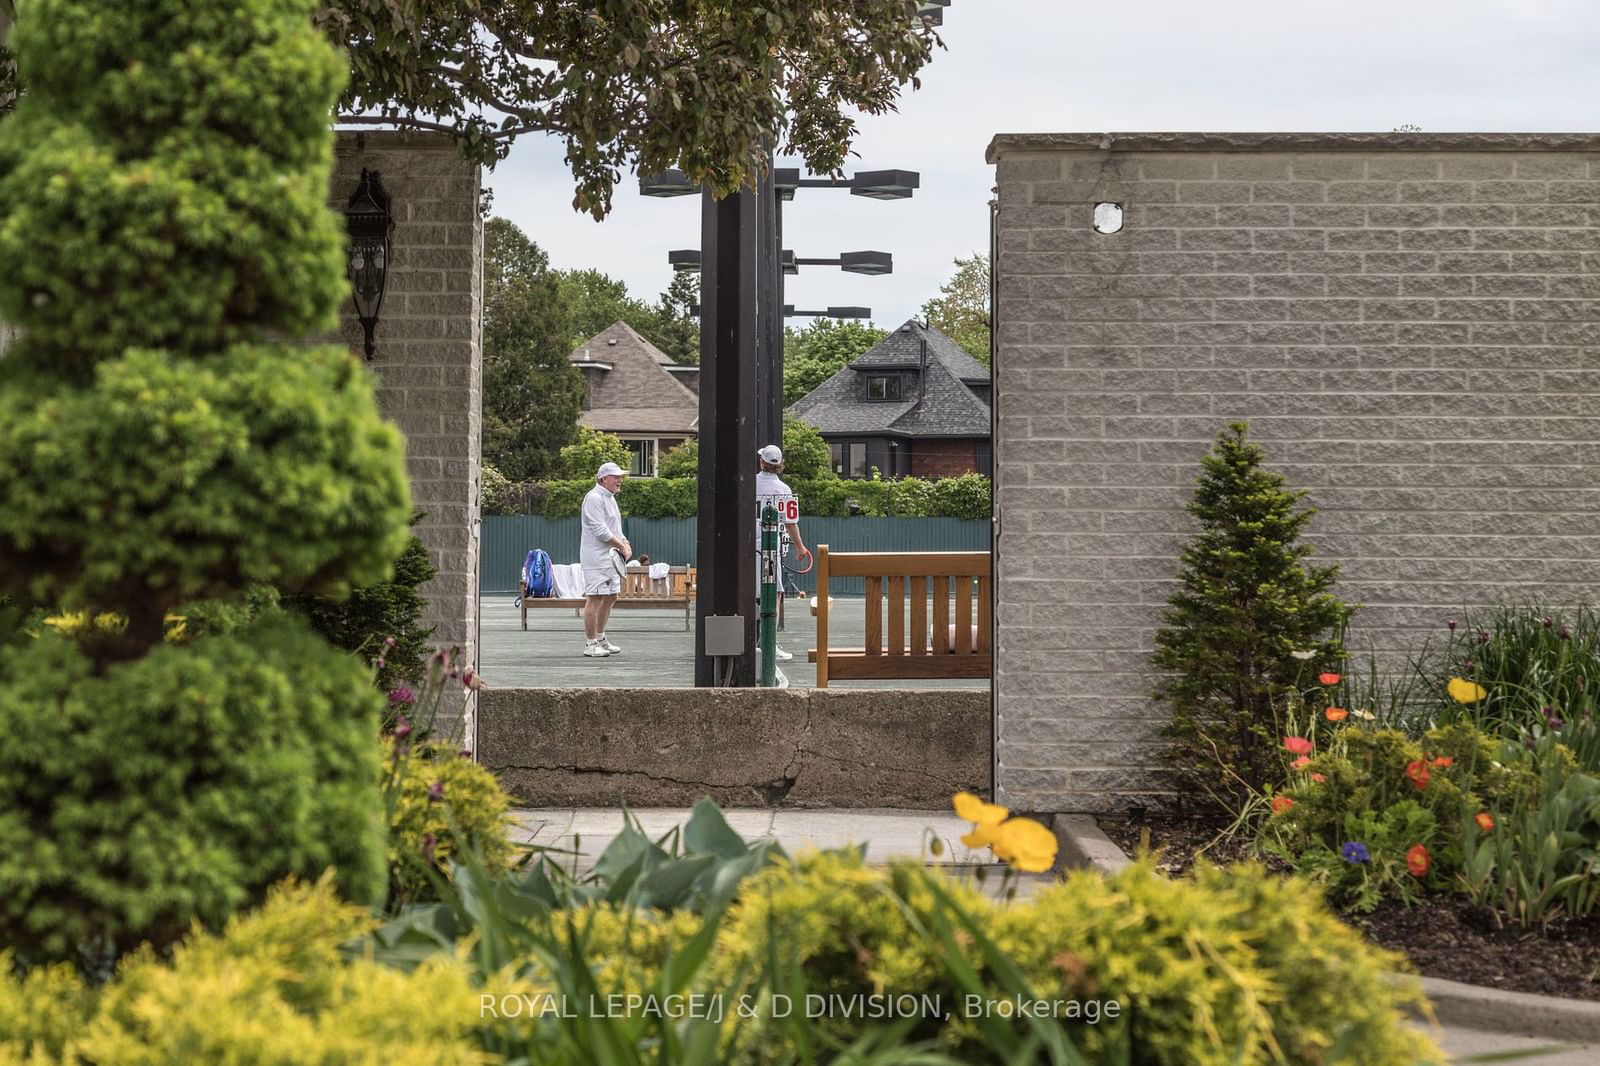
{"type": "Point", "coordinates": [1297, 745]}
{"type": "Point", "coordinates": [1281, 804]}
{"type": "Point", "coordinates": [436, 790]}
{"type": "Point", "coordinates": [1302, 762]}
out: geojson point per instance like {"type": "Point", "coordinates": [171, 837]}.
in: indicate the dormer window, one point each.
{"type": "Point", "coordinates": [883, 387]}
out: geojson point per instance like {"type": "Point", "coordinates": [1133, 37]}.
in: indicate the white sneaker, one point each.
{"type": "Point", "coordinates": [781, 655]}
{"type": "Point", "coordinates": [782, 679]}
{"type": "Point", "coordinates": [595, 650]}
{"type": "Point", "coordinates": [611, 649]}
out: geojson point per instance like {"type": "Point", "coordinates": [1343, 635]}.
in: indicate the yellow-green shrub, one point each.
{"type": "Point", "coordinates": [1232, 968]}
{"type": "Point", "coordinates": [470, 814]}
{"type": "Point", "coordinates": [40, 1012]}
{"type": "Point", "coordinates": [273, 988]}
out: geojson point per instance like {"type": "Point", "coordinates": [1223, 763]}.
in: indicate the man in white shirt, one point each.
{"type": "Point", "coordinates": [602, 531]}
{"type": "Point", "coordinates": [770, 488]}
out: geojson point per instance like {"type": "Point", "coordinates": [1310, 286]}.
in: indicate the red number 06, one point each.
{"type": "Point", "coordinates": [791, 510]}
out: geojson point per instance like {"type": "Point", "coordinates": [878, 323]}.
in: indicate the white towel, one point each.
{"type": "Point", "coordinates": [568, 578]}
{"type": "Point", "coordinates": [659, 571]}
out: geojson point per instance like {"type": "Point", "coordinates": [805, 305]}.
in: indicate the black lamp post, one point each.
{"type": "Point", "coordinates": [370, 226]}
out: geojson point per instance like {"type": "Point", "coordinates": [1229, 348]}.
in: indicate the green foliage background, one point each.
{"type": "Point", "coordinates": [816, 353]}
{"type": "Point", "coordinates": [531, 391]}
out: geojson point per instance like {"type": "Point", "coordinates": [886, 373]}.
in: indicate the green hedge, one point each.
{"type": "Point", "coordinates": [966, 496]}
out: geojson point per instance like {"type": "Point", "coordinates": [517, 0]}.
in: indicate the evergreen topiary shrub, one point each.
{"type": "Point", "coordinates": [164, 240]}
{"type": "Point", "coordinates": [176, 787]}
{"type": "Point", "coordinates": [1247, 602]}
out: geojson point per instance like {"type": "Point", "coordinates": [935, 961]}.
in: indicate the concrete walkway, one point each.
{"type": "Point", "coordinates": [888, 835]}
{"type": "Point", "coordinates": [1493, 1023]}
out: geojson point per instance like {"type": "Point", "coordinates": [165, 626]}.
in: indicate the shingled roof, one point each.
{"type": "Point", "coordinates": [944, 407]}
{"type": "Point", "coordinates": [633, 393]}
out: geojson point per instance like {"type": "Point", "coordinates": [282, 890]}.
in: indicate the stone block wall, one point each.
{"type": "Point", "coordinates": [429, 359]}
{"type": "Point", "coordinates": [1410, 323]}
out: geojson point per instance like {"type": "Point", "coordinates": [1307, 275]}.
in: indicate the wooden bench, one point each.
{"type": "Point", "coordinates": [677, 589]}
{"type": "Point", "coordinates": [940, 646]}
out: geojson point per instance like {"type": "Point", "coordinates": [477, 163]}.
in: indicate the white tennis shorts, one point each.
{"type": "Point", "coordinates": [601, 581]}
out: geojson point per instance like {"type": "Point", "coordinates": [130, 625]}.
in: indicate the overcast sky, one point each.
{"type": "Point", "coordinates": [1056, 66]}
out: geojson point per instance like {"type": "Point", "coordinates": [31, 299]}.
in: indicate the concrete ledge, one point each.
{"type": "Point", "coordinates": [1496, 1011]}
{"type": "Point", "coordinates": [1084, 846]}
{"type": "Point", "coordinates": [1004, 143]}
{"type": "Point", "coordinates": [902, 748]}
{"type": "Point", "coordinates": [1489, 1010]}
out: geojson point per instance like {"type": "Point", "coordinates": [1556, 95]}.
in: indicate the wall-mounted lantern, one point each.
{"type": "Point", "coordinates": [370, 225]}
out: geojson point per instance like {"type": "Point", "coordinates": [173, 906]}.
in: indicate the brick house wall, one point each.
{"type": "Point", "coordinates": [942, 458]}
{"type": "Point", "coordinates": [429, 360]}
{"type": "Point", "coordinates": [1409, 323]}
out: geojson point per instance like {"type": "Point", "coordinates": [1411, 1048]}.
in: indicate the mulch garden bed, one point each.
{"type": "Point", "coordinates": [1446, 937]}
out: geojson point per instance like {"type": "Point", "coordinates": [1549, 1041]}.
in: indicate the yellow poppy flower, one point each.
{"type": "Point", "coordinates": [970, 808]}
{"type": "Point", "coordinates": [1463, 691]}
{"type": "Point", "coordinates": [982, 836]}
{"type": "Point", "coordinates": [1026, 845]}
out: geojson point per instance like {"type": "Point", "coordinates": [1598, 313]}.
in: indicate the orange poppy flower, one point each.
{"type": "Point", "coordinates": [1336, 714]}
{"type": "Point", "coordinates": [1485, 821]}
{"type": "Point", "coordinates": [1319, 778]}
{"type": "Point", "coordinates": [1417, 860]}
{"type": "Point", "coordinates": [1444, 760]}
{"type": "Point", "coordinates": [1328, 677]}
{"type": "Point", "coordinates": [1418, 772]}
{"type": "Point", "coordinates": [1297, 745]}
{"type": "Point", "coordinates": [1302, 762]}
{"type": "Point", "coordinates": [1281, 804]}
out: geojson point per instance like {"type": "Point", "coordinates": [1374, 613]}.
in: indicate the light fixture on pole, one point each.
{"type": "Point", "coordinates": [687, 261]}
{"type": "Point", "coordinates": [789, 311]}
{"type": "Point", "coordinates": [667, 184]}
{"type": "Point", "coordinates": [370, 225]}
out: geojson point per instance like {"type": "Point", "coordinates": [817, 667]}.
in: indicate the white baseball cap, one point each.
{"type": "Point", "coordinates": [609, 470]}
{"type": "Point", "coordinates": [771, 454]}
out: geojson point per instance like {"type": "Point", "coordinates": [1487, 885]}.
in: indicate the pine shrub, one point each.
{"type": "Point", "coordinates": [372, 615]}
{"type": "Point", "coordinates": [164, 240]}
{"type": "Point", "coordinates": [1247, 601]}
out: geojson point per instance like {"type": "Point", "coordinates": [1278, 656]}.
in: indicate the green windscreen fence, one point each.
{"type": "Point", "coordinates": [507, 540]}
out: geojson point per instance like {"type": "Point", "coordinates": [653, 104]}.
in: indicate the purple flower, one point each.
{"type": "Point", "coordinates": [428, 843]}
{"type": "Point", "coordinates": [1548, 621]}
{"type": "Point", "coordinates": [1452, 624]}
{"type": "Point", "coordinates": [1354, 852]}
{"type": "Point", "coordinates": [388, 642]}
{"type": "Point", "coordinates": [1564, 632]}
{"type": "Point", "coordinates": [402, 696]}
{"type": "Point", "coordinates": [1551, 718]}
{"type": "Point", "coordinates": [1483, 636]}
{"type": "Point", "coordinates": [465, 753]}
{"type": "Point", "coordinates": [436, 790]}
{"type": "Point", "coordinates": [402, 728]}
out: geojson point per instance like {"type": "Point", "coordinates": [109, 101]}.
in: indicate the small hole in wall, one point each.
{"type": "Point", "coordinates": [1107, 217]}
